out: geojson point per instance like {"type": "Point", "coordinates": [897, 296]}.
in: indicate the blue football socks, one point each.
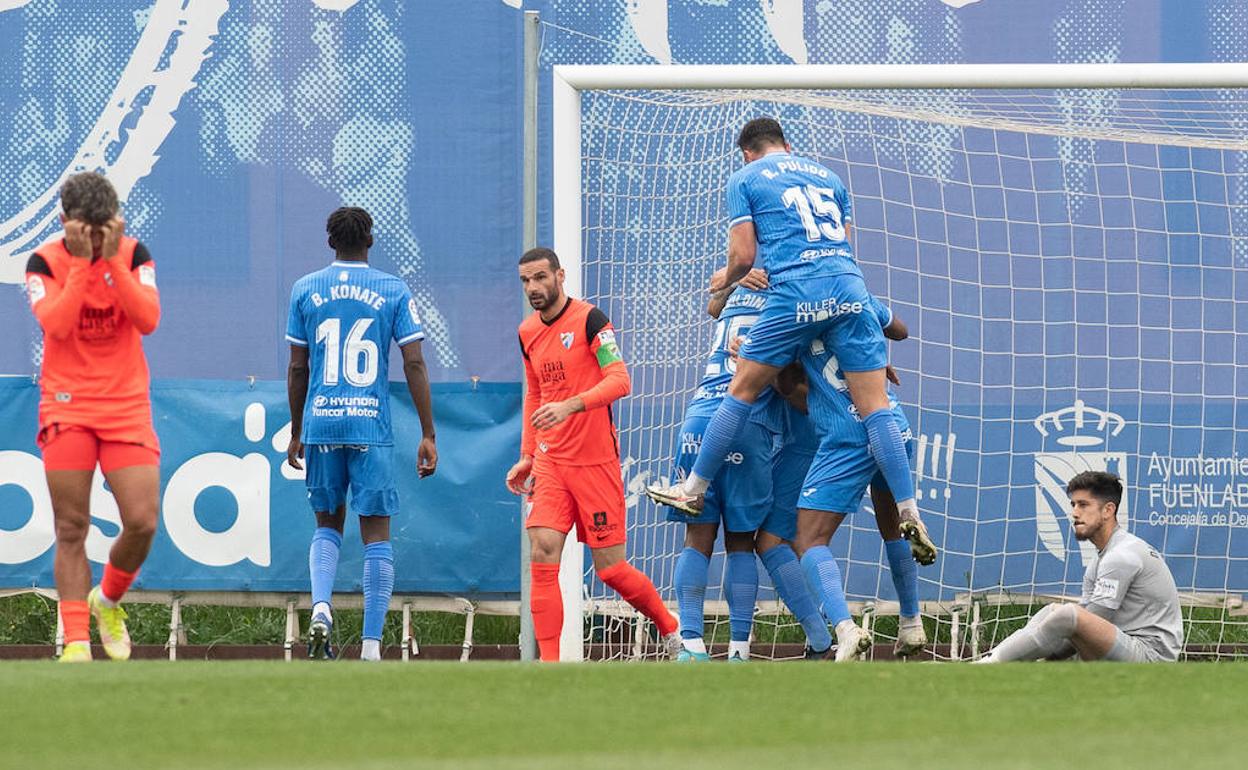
{"type": "Point", "coordinates": [323, 563]}
{"type": "Point", "coordinates": [718, 438]}
{"type": "Point", "coordinates": [690, 579]}
{"type": "Point", "coordinates": [786, 575]}
{"type": "Point", "coordinates": [905, 575]}
{"type": "Point", "coordinates": [741, 584]}
{"type": "Point", "coordinates": [378, 586]}
{"type": "Point", "coordinates": [889, 450]}
{"type": "Point", "coordinates": [824, 577]}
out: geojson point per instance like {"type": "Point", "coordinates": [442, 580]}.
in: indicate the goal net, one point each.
{"type": "Point", "coordinates": [1072, 264]}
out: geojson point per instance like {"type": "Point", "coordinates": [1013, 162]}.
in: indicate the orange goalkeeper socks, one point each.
{"type": "Point", "coordinates": [546, 604]}
{"type": "Point", "coordinates": [75, 621]}
{"type": "Point", "coordinates": [115, 583]}
{"type": "Point", "coordinates": [638, 591]}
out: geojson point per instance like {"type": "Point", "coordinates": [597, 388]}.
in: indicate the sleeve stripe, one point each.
{"type": "Point", "coordinates": [38, 265]}
{"type": "Point", "coordinates": [740, 219]}
{"type": "Point", "coordinates": [296, 341]}
{"type": "Point", "coordinates": [141, 256]}
{"type": "Point", "coordinates": [412, 338]}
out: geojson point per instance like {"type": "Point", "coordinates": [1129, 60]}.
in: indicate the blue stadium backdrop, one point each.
{"type": "Point", "coordinates": [232, 128]}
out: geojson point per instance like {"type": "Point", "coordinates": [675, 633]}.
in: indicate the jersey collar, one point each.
{"type": "Point", "coordinates": [339, 263]}
{"type": "Point", "coordinates": [567, 304]}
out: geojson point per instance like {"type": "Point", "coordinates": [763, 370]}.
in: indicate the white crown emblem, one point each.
{"type": "Point", "coordinates": [1075, 418]}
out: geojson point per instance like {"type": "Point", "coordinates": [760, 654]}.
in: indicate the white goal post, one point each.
{"type": "Point", "coordinates": [1193, 125]}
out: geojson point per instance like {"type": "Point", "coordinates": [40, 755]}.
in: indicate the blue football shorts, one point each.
{"type": "Point", "coordinates": [833, 308]}
{"type": "Point", "coordinates": [740, 494]}
{"type": "Point", "coordinates": [367, 471]}
{"type": "Point", "coordinates": [840, 474]}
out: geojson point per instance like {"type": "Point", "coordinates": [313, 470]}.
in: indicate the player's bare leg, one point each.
{"type": "Point", "coordinates": [750, 379]}
{"type": "Point", "coordinates": [70, 492]}
{"type": "Point", "coordinates": [690, 578]}
{"type": "Point", "coordinates": [545, 599]}
{"type": "Point", "coordinates": [1094, 636]}
{"type": "Point", "coordinates": [870, 396]}
{"type": "Point", "coordinates": [137, 490]}
{"type": "Point", "coordinates": [323, 566]}
{"type": "Point", "coordinates": [814, 531]}
{"type": "Point", "coordinates": [911, 638]}
{"type": "Point", "coordinates": [636, 589]}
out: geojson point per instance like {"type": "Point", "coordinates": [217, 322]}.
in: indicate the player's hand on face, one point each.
{"type": "Point", "coordinates": [78, 238]}
{"type": "Point", "coordinates": [755, 280]}
{"type": "Point", "coordinates": [550, 415]}
{"type": "Point", "coordinates": [426, 458]}
{"type": "Point", "coordinates": [112, 230]}
{"type": "Point", "coordinates": [294, 451]}
{"type": "Point", "coordinates": [518, 479]}
{"type": "Point", "coordinates": [891, 374]}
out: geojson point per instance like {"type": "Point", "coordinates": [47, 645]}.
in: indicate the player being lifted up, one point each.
{"type": "Point", "coordinates": [754, 495]}
{"type": "Point", "coordinates": [796, 214]}
{"type": "Point", "coordinates": [569, 451]}
{"type": "Point", "coordinates": [833, 488]}
{"type": "Point", "coordinates": [342, 319]}
{"type": "Point", "coordinates": [1130, 606]}
{"type": "Point", "coordinates": [93, 291]}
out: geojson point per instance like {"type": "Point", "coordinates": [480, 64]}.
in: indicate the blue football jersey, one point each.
{"type": "Point", "coordinates": [738, 315]}
{"type": "Point", "coordinates": [346, 315]}
{"type": "Point", "coordinates": [828, 403]}
{"type": "Point", "coordinates": [799, 210]}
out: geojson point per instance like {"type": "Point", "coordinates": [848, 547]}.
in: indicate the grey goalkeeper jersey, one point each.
{"type": "Point", "coordinates": [1131, 580]}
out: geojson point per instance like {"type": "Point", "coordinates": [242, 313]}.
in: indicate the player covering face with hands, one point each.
{"type": "Point", "coordinates": [569, 451]}
{"type": "Point", "coordinates": [93, 291]}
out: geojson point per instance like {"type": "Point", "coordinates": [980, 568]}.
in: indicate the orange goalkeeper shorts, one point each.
{"type": "Point", "coordinates": [77, 448]}
{"type": "Point", "coordinates": [588, 497]}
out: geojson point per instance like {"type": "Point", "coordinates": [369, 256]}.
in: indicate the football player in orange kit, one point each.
{"type": "Point", "coordinates": [93, 291]}
{"type": "Point", "coordinates": [569, 451]}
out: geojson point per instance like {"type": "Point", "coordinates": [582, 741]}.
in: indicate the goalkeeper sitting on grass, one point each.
{"type": "Point", "coordinates": [1130, 606]}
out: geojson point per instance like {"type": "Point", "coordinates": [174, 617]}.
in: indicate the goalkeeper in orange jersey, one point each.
{"type": "Point", "coordinates": [93, 291]}
{"type": "Point", "coordinates": [569, 452]}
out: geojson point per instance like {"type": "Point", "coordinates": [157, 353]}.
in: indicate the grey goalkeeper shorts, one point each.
{"type": "Point", "coordinates": [1134, 649]}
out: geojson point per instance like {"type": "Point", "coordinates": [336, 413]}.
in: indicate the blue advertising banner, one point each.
{"type": "Point", "coordinates": [235, 516]}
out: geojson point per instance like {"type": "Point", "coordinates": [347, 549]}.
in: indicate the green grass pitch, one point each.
{"type": "Point", "coordinates": [485, 715]}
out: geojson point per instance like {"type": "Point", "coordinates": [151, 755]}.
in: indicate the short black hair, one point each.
{"type": "Point", "coordinates": [1105, 487]}
{"type": "Point", "coordinates": [541, 252]}
{"type": "Point", "coordinates": [759, 133]}
{"type": "Point", "coordinates": [350, 229]}
{"type": "Point", "coordinates": [89, 197]}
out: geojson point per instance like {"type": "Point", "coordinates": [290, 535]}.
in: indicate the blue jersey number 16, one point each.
{"type": "Point", "coordinates": [358, 357]}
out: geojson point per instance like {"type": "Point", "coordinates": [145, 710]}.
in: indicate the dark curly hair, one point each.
{"type": "Point", "coordinates": [350, 230]}
{"type": "Point", "coordinates": [89, 197]}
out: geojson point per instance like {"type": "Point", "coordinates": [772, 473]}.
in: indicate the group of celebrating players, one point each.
{"type": "Point", "coordinates": [792, 423]}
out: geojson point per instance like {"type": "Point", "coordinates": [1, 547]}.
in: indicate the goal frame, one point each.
{"type": "Point", "coordinates": [568, 81]}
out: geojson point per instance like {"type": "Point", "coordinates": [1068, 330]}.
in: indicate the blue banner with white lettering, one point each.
{"type": "Point", "coordinates": [235, 515]}
{"type": "Point", "coordinates": [1074, 303]}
